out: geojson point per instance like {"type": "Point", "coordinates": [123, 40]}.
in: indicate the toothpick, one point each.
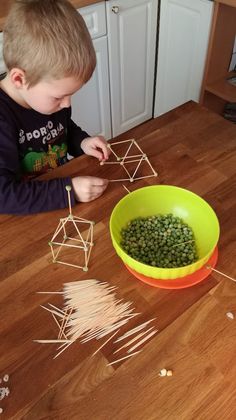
{"type": "Point", "coordinates": [113, 335]}
{"type": "Point", "coordinates": [136, 170]}
{"type": "Point", "coordinates": [50, 293]}
{"type": "Point", "coordinates": [209, 267]}
{"type": "Point", "coordinates": [63, 349]}
{"type": "Point", "coordinates": [123, 358]}
{"type": "Point", "coordinates": [57, 309]}
{"type": "Point", "coordinates": [59, 228]}
{"type": "Point", "coordinates": [68, 189]}
{"type": "Point", "coordinates": [63, 327]}
{"type": "Point", "coordinates": [120, 142]}
{"type": "Point", "coordinates": [62, 323]}
{"type": "Point", "coordinates": [154, 172]}
{"type": "Point", "coordinates": [134, 330]}
{"type": "Point", "coordinates": [142, 341]}
{"type": "Point", "coordinates": [117, 180]}
{"type": "Point", "coordinates": [70, 265]}
{"type": "Point", "coordinates": [182, 243]}
{"type": "Point", "coordinates": [52, 341]}
{"type": "Point", "coordinates": [128, 160]}
{"type": "Point", "coordinates": [132, 157]}
{"type": "Point", "coordinates": [52, 311]}
{"type": "Point", "coordinates": [134, 339]}
{"type": "Point", "coordinates": [126, 188]}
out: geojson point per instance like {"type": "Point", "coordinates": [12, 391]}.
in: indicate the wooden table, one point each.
{"type": "Point", "coordinates": [192, 148]}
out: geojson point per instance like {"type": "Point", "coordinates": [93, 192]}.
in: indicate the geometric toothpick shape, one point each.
{"type": "Point", "coordinates": [68, 236]}
{"type": "Point", "coordinates": [127, 158]}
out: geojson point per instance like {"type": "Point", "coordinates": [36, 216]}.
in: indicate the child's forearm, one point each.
{"type": "Point", "coordinates": [21, 198]}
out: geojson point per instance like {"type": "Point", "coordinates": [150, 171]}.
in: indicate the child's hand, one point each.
{"type": "Point", "coordinates": [87, 188]}
{"type": "Point", "coordinates": [96, 146]}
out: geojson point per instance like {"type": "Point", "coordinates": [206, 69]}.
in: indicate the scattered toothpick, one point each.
{"type": "Point", "coordinates": [126, 188]}
{"type": "Point", "coordinates": [134, 330]}
{"type": "Point", "coordinates": [123, 358]}
{"type": "Point", "coordinates": [109, 339]}
{"type": "Point", "coordinates": [209, 267]}
{"type": "Point", "coordinates": [142, 341]}
{"type": "Point", "coordinates": [133, 339]}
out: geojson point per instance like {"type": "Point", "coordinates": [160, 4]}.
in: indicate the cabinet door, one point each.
{"type": "Point", "coordinates": [131, 40]}
{"type": "Point", "coordinates": [91, 105]}
{"type": "Point", "coordinates": [183, 40]}
{"type": "Point", "coordinates": [2, 65]}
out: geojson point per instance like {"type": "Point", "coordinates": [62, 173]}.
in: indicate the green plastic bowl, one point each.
{"type": "Point", "coordinates": [163, 199]}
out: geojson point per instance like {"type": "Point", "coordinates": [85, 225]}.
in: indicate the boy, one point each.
{"type": "Point", "coordinates": [49, 55]}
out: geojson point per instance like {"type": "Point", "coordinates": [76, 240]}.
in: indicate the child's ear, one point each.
{"type": "Point", "coordinates": [17, 77]}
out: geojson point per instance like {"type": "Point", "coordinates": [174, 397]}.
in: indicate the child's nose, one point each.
{"type": "Point", "coordinates": [66, 102]}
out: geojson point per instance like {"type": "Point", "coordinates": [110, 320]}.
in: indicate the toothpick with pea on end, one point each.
{"type": "Point", "coordinates": [68, 189]}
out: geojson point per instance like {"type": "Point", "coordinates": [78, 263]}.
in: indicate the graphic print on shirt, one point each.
{"type": "Point", "coordinates": [40, 162]}
{"type": "Point", "coordinates": [43, 149]}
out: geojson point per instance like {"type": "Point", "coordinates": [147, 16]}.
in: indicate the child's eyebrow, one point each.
{"type": "Point", "coordinates": [63, 95]}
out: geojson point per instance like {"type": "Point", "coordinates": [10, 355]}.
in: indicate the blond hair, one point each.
{"type": "Point", "coordinates": [47, 39]}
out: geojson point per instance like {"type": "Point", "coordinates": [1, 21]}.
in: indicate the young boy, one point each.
{"type": "Point", "coordinates": [49, 55]}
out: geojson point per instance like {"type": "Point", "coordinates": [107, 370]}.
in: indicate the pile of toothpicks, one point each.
{"type": "Point", "coordinates": [91, 311]}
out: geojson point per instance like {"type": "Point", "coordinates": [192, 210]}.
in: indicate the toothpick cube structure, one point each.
{"type": "Point", "coordinates": [128, 158]}
{"type": "Point", "coordinates": [68, 235]}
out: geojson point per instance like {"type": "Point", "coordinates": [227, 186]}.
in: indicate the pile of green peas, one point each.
{"type": "Point", "coordinates": [164, 241]}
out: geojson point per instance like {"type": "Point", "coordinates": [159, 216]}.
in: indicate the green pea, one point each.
{"type": "Point", "coordinates": [159, 241]}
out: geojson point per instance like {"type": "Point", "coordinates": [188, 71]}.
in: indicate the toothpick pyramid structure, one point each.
{"type": "Point", "coordinates": [81, 241]}
{"type": "Point", "coordinates": [128, 158]}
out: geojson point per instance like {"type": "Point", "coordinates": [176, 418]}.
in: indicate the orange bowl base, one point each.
{"type": "Point", "coordinates": [182, 282]}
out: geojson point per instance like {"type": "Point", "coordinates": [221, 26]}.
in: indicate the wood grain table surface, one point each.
{"type": "Point", "coordinates": [192, 148]}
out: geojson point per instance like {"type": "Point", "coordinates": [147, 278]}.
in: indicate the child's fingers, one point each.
{"type": "Point", "coordinates": [99, 183]}
{"type": "Point", "coordinates": [88, 188]}
{"type": "Point", "coordinates": [105, 151]}
{"type": "Point", "coordinates": [102, 145]}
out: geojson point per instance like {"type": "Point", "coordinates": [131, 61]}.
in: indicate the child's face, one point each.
{"type": "Point", "coordinates": [49, 96]}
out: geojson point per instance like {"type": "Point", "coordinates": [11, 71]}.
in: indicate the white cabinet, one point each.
{"type": "Point", "coordinates": [131, 39]}
{"type": "Point", "coordinates": [120, 94]}
{"type": "Point", "coordinates": [183, 40]}
{"type": "Point", "coordinates": [2, 65]}
{"type": "Point", "coordinates": [91, 105]}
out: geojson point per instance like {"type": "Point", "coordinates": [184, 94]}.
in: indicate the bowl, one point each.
{"type": "Point", "coordinates": [164, 199]}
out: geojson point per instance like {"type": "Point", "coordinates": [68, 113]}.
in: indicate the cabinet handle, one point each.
{"type": "Point", "coordinates": [115, 9]}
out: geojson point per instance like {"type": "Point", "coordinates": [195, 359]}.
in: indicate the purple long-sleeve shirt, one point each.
{"type": "Point", "coordinates": [30, 144]}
